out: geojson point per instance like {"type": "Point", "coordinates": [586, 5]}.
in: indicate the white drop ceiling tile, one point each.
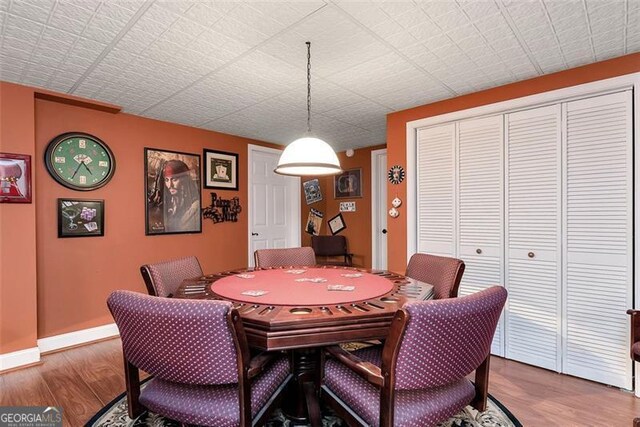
{"type": "Point", "coordinates": [60, 22]}
{"type": "Point", "coordinates": [438, 8]}
{"type": "Point", "coordinates": [4, 6]}
{"type": "Point", "coordinates": [478, 9]}
{"type": "Point", "coordinates": [173, 35]}
{"type": "Point", "coordinates": [161, 15]}
{"type": "Point", "coordinates": [221, 41]}
{"type": "Point", "coordinates": [15, 32]}
{"type": "Point", "coordinates": [149, 26]}
{"type": "Point", "coordinates": [103, 29]}
{"type": "Point", "coordinates": [239, 31]}
{"type": "Point", "coordinates": [34, 10]}
{"type": "Point", "coordinates": [452, 20]}
{"type": "Point", "coordinates": [177, 7]}
{"type": "Point", "coordinates": [24, 24]}
{"type": "Point", "coordinates": [20, 44]}
{"type": "Point", "coordinates": [363, 114]}
{"type": "Point", "coordinates": [411, 18]}
{"type": "Point", "coordinates": [603, 52]}
{"type": "Point", "coordinates": [426, 31]}
{"type": "Point", "coordinates": [161, 50]}
{"type": "Point", "coordinates": [11, 77]}
{"type": "Point", "coordinates": [506, 43]}
{"type": "Point", "coordinates": [491, 22]}
{"type": "Point", "coordinates": [559, 9]}
{"type": "Point", "coordinates": [401, 40]}
{"type": "Point", "coordinates": [463, 32]}
{"type": "Point", "coordinates": [204, 13]}
{"type": "Point", "coordinates": [56, 36]}
{"type": "Point", "coordinates": [566, 37]}
{"type": "Point", "coordinates": [73, 12]}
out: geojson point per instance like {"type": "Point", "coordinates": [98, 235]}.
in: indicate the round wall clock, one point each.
{"type": "Point", "coordinates": [396, 174]}
{"type": "Point", "coordinates": [79, 161]}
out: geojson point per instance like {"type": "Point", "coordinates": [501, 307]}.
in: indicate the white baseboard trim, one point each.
{"type": "Point", "coordinates": [58, 342]}
{"type": "Point", "coordinates": [19, 358]}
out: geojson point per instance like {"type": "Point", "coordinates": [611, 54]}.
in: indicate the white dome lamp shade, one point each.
{"type": "Point", "coordinates": [308, 156]}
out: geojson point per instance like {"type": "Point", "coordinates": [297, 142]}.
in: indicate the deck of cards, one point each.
{"type": "Point", "coordinates": [254, 293]}
{"type": "Point", "coordinates": [295, 271]}
{"type": "Point", "coordinates": [312, 279]}
{"type": "Point", "coordinates": [340, 288]}
{"type": "Point", "coordinates": [246, 276]}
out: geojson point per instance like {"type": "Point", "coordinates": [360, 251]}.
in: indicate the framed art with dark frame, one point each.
{"type": "Point", "coordinates": [348, 184]}
{"type": "Point", "coordinates": [172, 192]}
{"type": "Point", "coordinates": [15, 178]}
{"type": "Point", "coordinates": [220, 169]}
{"type": "Point", "coordinates": [80, 218]}
{"type": "Point", "coordinates": [336, 224]}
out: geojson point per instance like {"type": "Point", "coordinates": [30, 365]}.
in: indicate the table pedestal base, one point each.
{"type": "Point", "coordinates": [305, 364]}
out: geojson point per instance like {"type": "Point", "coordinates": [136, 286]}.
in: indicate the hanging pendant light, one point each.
{"type": "Point", "coordinates": [308, 155]}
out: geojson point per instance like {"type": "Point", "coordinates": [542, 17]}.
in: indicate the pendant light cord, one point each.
{"type": "Point", "coordinates": [309, 87]}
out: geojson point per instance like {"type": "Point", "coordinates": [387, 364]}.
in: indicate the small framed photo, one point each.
{"type": "Point", "coordinates": [336, 224]}
{"type": "Point", "coordinates": [172, 185]}
{"type": "Point", "coordinates": [312, 192]}
{"type": "Point", "coordinates": [80, 218]}
{"type": "Point", "coordinates": [220, 169]}
{"type": "Point", "coordinates": [348, 184]}
{"type": "Point", "coordinates": [314, 222]}
{"type": "Point", "coordinates": [15, 178]}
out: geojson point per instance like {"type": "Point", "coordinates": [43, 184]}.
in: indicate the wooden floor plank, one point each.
{"type": "Point", "coordinates": [83, 379]}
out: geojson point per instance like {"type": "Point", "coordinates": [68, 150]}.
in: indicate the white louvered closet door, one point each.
{"type": "Point", "coordinates": [533, 236]}
{"type": "Point", "coordinates": [599, 209]}
{"type": "Point", "coordinates": [436, 190]}
{"type": "Point", "coordinates": [480, 212]}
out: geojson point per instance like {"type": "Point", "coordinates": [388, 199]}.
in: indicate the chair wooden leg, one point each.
{"type": "Point", "coordinates": [132, 379]}
{"type": "Point", "coordinates": [482, 386]}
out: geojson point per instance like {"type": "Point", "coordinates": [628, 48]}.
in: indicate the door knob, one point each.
{"type": "Point", "coordinates": [478, 251]}
{"type": "Point", "coordinates": [531, 254]}
{"type": "Point", "coordinates": [384, 231]}
{"type": "Point", "coordinates": [254, 234]}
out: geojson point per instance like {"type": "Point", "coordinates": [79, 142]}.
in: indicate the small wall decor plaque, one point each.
{"type": "Point", "coordinates": [347, 206]}
{"type": "Point", "coordinates": [348, 184]}
{"type": "Point", "coordinates": [312, 192]}
{"type": "Point", "coordinates": [80, 218]}
{"type": "Point", "coordinates": [222, 210]}
{"type": "Point", "coordinates": [396, 174]}
{"type": "Point", "coordinates": [220, 169]}
{"type": "Point", "coordinates": [336, 224]}
{"type": "Point", "coordinates": [314, 222]}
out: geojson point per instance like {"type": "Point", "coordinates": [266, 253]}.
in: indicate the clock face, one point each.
{"type": "Point", "coordinates": [79, 161]}
{"type": "Point", "coordinates": [396, 174]}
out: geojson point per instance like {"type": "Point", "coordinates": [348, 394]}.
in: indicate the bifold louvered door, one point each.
{"type": "Point", "coordinates": [480, 214]}
{"type": "Point", "coordinates": [533, 236]}
{"type": "Point", "coordinates": [436, 190]}
{"type": "Point", "coordinates": [599, 208]}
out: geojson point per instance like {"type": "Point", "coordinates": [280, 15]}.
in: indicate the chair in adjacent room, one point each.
{"type": "Point", "coordinates": [443, 273]}
{"type": "Point", "coordinates": [201, 366]}
{"type": "Point", "coordinates": [419, 377]}
{"type": "Point", "coordinates": [331, 247]}
{"type": "Point", "coordinates": [287, 257]}
{"type": "Point", "coordinates": [634, 344]}
{"type": "Point", "coordinates": [163, 278]}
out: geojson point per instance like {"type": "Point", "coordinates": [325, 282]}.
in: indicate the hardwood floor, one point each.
{"type": "Point", "coordinates": [84, 379]}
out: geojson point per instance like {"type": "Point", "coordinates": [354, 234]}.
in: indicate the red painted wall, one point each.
{"type": "Point", "coordinates": [396, 125]}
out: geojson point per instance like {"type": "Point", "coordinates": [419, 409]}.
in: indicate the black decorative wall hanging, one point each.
{"type": "Point", "coordinates": [222, 210]}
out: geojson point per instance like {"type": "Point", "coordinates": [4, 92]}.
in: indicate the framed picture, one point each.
{"type": "Point", "coordinates": [314, 222]}
{"type": "Point", "coordinates": [172, 190]}
{"type": "Point", "coordinates": [348, 184]}
{"type": "Point", "coordinates": [15, 178]}
{"type": "Point", "coordinates": [312, 191]}
{"type": "Point", "coordinates": [336, 224]}
{"type": "Point", "coordinates": [220, 170]}
{"type": "Point", "coordinates": [80, 218]}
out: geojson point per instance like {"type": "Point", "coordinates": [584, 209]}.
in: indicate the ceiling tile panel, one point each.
{"type": "Point", "coordinates": [35, 11]}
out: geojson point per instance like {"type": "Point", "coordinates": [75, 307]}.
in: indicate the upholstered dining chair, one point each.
{"type": "Point", "coordinates": [163, 278]}
{"type": "Point", "coordinates": [332, 246]}
{"type": "Point", "coordinates": [284, 257]}
{"type": "Point", "coordinates": [443, 273]}
{"type": "Point", "coordinates": [418, 378]}
{"type": "Point", "coordinates": [198, 355]}
{"type": "Point", "coordinates": [634, 344]}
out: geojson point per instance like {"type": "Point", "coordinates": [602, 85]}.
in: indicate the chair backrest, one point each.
{"type": "Point", "coordinates": [164, 278]}
{"type": "Point", "coordinates": [185, 341]}
{"type": "Point", "coordinates": [445, 340]}
{"type": "Point", "coordinates": [284, 257]}
{"type": "Point", "coordinates": [442, 272]}
{"type": "Point", "coordinates": [329, 245]}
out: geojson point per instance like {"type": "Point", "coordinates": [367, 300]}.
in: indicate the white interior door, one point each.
{"type": "Point", "coordinates": [274, 203]}
{"type": "Point", "coordinates": [379, 208]}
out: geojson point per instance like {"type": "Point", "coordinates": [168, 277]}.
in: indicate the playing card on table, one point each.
{"type": "Point", "coordinates": [352, 275]}
{"type": "Point", "coordinates": [254, 293]}
{"type": "Point", "coordinates": [246, 276]}
{"type": "Point", "coordinates": [312, 279]}
{"type": "Point", "coordinates": [340, 288]}
{"type": "Point", "coordinates": [295, 271]}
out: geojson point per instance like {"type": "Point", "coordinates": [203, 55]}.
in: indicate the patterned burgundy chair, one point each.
{"type": "Point", "coordinates": [418, 378]}
{"type": "Point", "coordinates": [163, 278]}
{"type": "Point", "coordinates": [634, 344]}
{"type": "Point", "coordinates": [198, 355]}
{"type": "Point", "coordinates": [332, 246]}
{"type": "Point", "coordinates": [442, 272]}
{"type": "Point", "coordinates": [266, 258]}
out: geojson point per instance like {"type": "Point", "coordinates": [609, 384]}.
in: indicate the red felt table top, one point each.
{"type": "Point", "coordinates": [283, 289]}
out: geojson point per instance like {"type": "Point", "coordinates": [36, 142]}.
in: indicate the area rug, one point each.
{"type": "Point", "coordinates": [115, 415]}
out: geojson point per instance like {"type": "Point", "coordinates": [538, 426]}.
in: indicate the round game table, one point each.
{"type": "Point", "coordinates": [305, 308]}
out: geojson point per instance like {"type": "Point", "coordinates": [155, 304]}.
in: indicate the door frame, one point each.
{"type": "Point", "coordinates": [375, 203]}
{"type": "Point", "coordinates": [295, 233]}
